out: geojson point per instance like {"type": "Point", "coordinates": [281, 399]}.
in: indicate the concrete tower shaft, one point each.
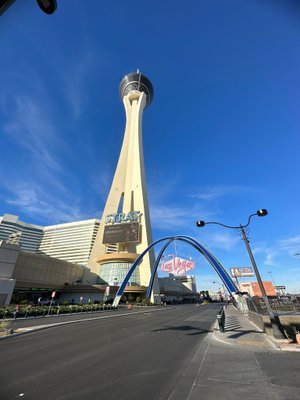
{"type": "Point", "coordinates": [128, 192]}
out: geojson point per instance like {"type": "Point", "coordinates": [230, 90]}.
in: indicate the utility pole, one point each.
{"type": "Point", "coordinates": [276, 325]}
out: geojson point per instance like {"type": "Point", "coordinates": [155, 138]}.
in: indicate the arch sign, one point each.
{"type": "Point", "coordinates": [217, 266]}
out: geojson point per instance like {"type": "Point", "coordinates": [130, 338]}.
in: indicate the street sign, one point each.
{"type": "Point", "coordinates": [240, 272]}
{"type": "Point", "coordinates": [177, 266]}
{"type": "Point", "coordinates": [121, 233]}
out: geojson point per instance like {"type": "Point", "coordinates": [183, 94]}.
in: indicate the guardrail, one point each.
{"type": "Point", "coordinates": [221, 319]}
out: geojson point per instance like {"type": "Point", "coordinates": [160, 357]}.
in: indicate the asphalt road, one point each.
{"type": "Point", "coordinates": [129, 357]}
{"type": "Point", "coordinates": [28, 322]}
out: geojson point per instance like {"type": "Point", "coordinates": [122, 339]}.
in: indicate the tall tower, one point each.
{"type": "Point", "coordinates": [125, 228]}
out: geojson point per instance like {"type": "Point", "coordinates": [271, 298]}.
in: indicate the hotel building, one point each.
{"type": "Point", "coordinates": [15, 231]}
{"type": "Point", "coordinates": [71, 241]}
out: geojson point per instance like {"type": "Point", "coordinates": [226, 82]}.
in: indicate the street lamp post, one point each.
{"type": "Point", "coordinates": [275, 322]}
{"type": "Point", "coordinates": [272, 279]}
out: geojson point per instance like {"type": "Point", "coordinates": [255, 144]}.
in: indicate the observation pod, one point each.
{"type": "Point", "coordinates": [135, 81]}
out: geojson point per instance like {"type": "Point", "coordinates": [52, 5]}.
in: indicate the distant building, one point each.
{"type": "Point", "coordinates": [14, 231]}
{"type": "Point", "coordinates": [218, 295]}
{"type": "Point", "coordinates": [28, 276]}
{"type": "Point", "coordinates": [252, 288]}
{"type": "Point", "coordinates": [178, 288]}
{"type": "Point", "coordinates": [71, 241]}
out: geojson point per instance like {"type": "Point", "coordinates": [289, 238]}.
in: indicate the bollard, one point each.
{"type": "Point", "coordinates": [221, 320]}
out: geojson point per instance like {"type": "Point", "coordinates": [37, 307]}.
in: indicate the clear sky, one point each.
{"type": "Point", "coordinates": [221, 137]}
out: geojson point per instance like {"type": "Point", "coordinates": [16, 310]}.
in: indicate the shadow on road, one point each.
{"type": "Point", "coordinates": [199, 331]}
{"type": "Point", "coordinates": [239, 333]}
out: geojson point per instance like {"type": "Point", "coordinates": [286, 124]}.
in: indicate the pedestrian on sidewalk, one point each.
{"type": "Point", "coordinates": [16, 312]}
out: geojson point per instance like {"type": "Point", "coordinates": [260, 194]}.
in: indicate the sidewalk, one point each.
{"type": "Point", "coordinates": [241, 363]}
{"type": "Point", "coordinates": [240, 331]}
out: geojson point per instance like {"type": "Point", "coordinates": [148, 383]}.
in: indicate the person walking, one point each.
{"type": "Point", "coordinates": [16, 312]}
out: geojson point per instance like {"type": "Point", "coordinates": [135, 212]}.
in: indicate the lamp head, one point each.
{"type": "Point", "coordinates": [48, 6]}
{"type": "Point", "coordinates": [200, 224]}
{"type": "Point", "coordinates": [262, 213]}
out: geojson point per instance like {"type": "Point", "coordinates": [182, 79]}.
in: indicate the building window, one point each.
{"type": "Point", "coordinates": [114, 273]}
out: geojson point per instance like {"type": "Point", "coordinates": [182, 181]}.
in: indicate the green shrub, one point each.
{"type": "Point", "coordinates": [4, 326]}
{"type": "Point", "coordinates": [291, 330]}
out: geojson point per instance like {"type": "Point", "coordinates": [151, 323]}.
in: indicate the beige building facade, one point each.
{"type": "Point", "coordinates": [178, 288]}
{"type": "Point", "coordinates": [8, 257]}
{"type": "Point", "coordinates": [24, 274]}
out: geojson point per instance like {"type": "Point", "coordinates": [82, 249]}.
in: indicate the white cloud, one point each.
{"type": "Point", "coordinates": [158, 193]}
{"type": "Point", "coordinates": [34, 201]}
{"type": "Point", "coordinates": [168, 218]}
{"type": "Point", "coordinates": [102, 181]}
{"type": "Point", "coordinates": [31, 129]}
{"type": "Point", "coordinates": [225, 241]}
{"type": "Point", "coordinates": [171, 217]}
{"type": "Point", "coordinates": [217, 191]}
{"type": "Point", "coordinates": [270, 258]}
{"type": "Point", "coordinates": [75, 81]}
{"type": "Point", "coordinates": [292, 244]}
{"type": "Point", "coordinates": [271, 252]}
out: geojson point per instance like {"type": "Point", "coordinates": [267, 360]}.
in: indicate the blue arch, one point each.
{"type": "Point", "coordinates": [231, 287]}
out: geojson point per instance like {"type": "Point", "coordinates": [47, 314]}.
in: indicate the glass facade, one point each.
{"type": "Point", "coordinates": [114, 273]}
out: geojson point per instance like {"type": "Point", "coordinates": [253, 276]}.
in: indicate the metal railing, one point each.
{"type": "Point", "coordinates": [280, 306]}
{"type": "Point", "coordinates": [221, 319]}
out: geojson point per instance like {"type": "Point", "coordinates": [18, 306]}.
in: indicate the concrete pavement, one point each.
{"type": "Point", "coordinates": [241, 362]}
{"type": "Point", "coordinates": [240, 331]}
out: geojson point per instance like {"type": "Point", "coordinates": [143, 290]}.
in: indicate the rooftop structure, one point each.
{"type": "Point", "coordinates": [14, 231]}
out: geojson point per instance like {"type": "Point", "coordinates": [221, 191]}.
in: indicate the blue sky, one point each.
{"type": "Point", "coordinates": [221, 137]}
